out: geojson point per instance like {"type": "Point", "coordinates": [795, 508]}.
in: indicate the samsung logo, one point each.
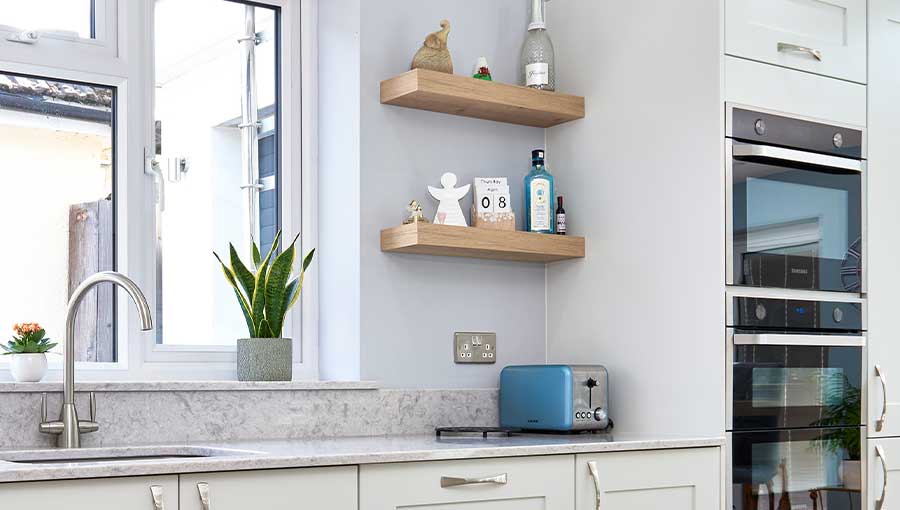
{"type": "Point", "coordinates": [799, 270]}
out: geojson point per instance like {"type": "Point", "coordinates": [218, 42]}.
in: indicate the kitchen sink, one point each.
{"type": "Point", "coordinates": [119, 454]}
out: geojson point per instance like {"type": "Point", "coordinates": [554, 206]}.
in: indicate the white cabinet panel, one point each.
{"type": "Point", "coordinates": [794, 92]}
{"type": "Point", "coordinates": [883, 215]}
{"type": "Point", "coordinates": [820, 36]}
{"type": "Point", "coordinates": [884, 459]}
{"type": "Point", "coordinates": [649, 480]}
{"type": "Point", "coordinates": [276, 489]}
{"type": "Point", "coordinates": [538, 483]}
{"type": "Point", "coordinates": [98, 494]}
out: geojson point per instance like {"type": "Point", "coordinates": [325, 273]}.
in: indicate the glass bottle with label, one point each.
{"type": "Point", "coordinates": [539, 196]}
{"type": "Point", "coordinates": [536, 68]}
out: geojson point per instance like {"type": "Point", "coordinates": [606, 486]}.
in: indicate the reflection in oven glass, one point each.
{"type": "Point", "coordinates": [797, 470]}
{"type": "Point", "coordinates": [798, 387]}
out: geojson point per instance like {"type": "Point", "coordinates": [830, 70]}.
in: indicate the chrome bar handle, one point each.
{"type": "Point", "coordinates": [203, 490]}
{"type": "Point", "coordinates": [592, 466]}
{"type": "Point", "coordinates": [156, 491]}
{"type": "Point", "coordinates": [43, 408]}
{"type": "Point", "coordinates": [784, 47]}
{"type": "Point", "coordinates": [93, 398]}
{"type": "Point", "coordinates": [879, 452]}
{"type": "Point", "coordinates": [879, 425]}
{"type": "Point", "coordinates": [452, 481]}
{"type": "Point", "coordinates": [790, 339]}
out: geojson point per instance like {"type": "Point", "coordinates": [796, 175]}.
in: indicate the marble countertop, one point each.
{"type": "Point", "coordinates": [294, 453]}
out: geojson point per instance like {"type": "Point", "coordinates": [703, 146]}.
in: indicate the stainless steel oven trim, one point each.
{"type": "Point", "coordinates": [729, 212]}
{"type": "Point", "coordinates": [729, 121]}
{"type": "Point", "coordinates": [800, 340]}
{"type": "Point", "coordinates": [743, 150]}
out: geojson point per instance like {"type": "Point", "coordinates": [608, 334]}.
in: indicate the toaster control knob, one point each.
{"type": "Point", "coordinates": [601, 416]}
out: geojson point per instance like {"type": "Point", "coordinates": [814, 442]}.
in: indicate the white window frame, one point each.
{"type": "Point", "coordinates": [129, 69]}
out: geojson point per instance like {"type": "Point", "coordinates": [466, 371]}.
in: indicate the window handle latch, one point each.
{"type": "Point", "coordinates": [152, 168]}
{"type": "Point", "coordinates": [24, 37]}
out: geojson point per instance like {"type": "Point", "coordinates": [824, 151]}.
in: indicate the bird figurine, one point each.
{"type": "Point", "coordinates": [434, 54]}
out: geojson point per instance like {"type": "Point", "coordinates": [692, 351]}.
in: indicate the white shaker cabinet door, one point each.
{"type": "Point", "coordinates": [826, 37]}
{"type": "Point", "coordinates": [884, 474]}
{"type": "Point", "coordinates": [649, 480]}
{"type": "Point", "coordinates": [139, 493]}
{"type": "Point", "coordinates": [523, 483]}
{"type": "Point", "coordinates": [273, 489]}
{"type": "Point", "coordinates": [883, 271]}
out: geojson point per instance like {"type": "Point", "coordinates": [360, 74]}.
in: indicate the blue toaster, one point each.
{"type": "Point", "coordinates": [555, 398]}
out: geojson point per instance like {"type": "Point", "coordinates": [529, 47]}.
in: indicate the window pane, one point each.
{"type": "Point", "coordinates": [74, 17]}
{"type": "Point", "coordinates": [200, 89]}
{"type": "Point", "coordinates": [58, 205]}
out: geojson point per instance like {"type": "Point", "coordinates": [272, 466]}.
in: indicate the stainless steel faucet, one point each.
{"type": "Point", "coordinates": [69, 427]}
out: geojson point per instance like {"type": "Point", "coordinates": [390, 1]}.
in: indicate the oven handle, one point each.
{"type": "Point", "coordinates": [766, 152]}
{"type": "Point", "coordinates": [809, 340]}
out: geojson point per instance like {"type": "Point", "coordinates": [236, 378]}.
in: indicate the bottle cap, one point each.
{"type": "Point", "coordinates": [537, 154]}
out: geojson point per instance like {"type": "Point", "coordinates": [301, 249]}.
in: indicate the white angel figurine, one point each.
{"type": "Point", "coordinates": [449, 212]}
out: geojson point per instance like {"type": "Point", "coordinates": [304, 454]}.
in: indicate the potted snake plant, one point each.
{"type": "Point", "coordinates": [265, 292]}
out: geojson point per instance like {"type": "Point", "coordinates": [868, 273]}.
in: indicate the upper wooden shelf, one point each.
{"type": "Point", "coordinates": [430, 239]}
{"type": "Point", "coordinates": [461, 95]}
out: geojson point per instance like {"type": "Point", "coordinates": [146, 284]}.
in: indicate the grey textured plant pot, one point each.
{"type": "Point", "coordinates": [264, 359]}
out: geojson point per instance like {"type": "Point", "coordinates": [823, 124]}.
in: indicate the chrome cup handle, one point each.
{"type": "Point", "coordinates": [879, 425]}
{"type": "Point", "coordinates": [879, 452]}
{"type": "Point", "coordinates": [592, 467]}
{"type": "Point", "coordinates": [156, 492]}
{"type": "Point", "coordinates": [452, 481]}
{"type": "Point", "coordinates": [203, 490]}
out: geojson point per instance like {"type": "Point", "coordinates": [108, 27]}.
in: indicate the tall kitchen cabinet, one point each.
{"type": "Point", "coordinates": [883, 445]}
{"type": "Point", "coordinates": [884, 219]}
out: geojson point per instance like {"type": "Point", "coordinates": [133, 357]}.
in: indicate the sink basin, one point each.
{"type": "Point", "coordinates": [119, 454]}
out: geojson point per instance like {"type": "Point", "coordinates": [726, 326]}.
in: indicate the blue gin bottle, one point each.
{"type": "Point", "coordinates": [539, 196]}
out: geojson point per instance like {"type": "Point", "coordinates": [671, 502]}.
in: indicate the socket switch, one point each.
{"type": "Point", "coordinates": [475, 347]}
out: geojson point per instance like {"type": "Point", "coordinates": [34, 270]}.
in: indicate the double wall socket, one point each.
{"type": "Point", "coordinates": [475, 347]}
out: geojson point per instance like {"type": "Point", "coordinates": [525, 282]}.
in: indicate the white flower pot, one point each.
{"type": "Point", "coordinates": [28, 367]}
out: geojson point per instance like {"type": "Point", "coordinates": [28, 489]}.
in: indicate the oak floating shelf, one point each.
{"type": "Point", "coordinates": [468, 97]}
{"type": "Point", "coordinates": [430, 239]}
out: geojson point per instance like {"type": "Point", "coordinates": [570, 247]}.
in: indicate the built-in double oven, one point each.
{"type": "Point", "coordinates": [795, 203]}
{"type": "Point", "coordinates": [795, 315]}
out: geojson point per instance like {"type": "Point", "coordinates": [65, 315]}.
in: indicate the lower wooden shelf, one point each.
{"type": "Point", "coordinates": [430, 239]}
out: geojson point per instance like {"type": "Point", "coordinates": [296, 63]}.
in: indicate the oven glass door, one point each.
{"type": "Point", "coordinates": [794, 386]}
{"type": "Point", "coordinates": [795, 224]}
{"type": "Point", "coordinates": [800, 468]}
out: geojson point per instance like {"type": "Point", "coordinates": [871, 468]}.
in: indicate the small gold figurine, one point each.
{"type": "Point", "coordinates": [415, 213]}
{"type": "Point", "coordinates": [434, 54]}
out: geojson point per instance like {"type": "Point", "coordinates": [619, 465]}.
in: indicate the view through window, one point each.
{"type": "Point", "coordinates": [217, 144]}
{"type": "Point", "coordinates": [58, 198]}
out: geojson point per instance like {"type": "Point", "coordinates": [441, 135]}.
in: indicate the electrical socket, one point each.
{"type": "Point", "coordinates": [474, 347]}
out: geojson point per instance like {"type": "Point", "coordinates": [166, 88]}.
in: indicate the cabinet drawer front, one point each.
{"type": "Point", "coordinates": [789, 32]}
{"type": "Point", "coordinates": [649, 480]}
{"type": "Point", "coordinates": [273, 489]}
{"type": "Point", "coordinates": [97, 494]}
{"type": "Point", "coordinates": [523, 483]}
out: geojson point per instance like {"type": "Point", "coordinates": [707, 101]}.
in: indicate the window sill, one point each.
{"type": "Point", "coordinates": [144, 386]}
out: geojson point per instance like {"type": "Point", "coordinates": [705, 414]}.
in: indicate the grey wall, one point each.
{"type": "Point", "coordinates": [645, 182]}
{"type": "Point", "coordinates": [409, 306]}
{"type": "Point", "coordinates": [339, 208]}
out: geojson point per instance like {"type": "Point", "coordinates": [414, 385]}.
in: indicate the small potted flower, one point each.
{"type": "Point", "coordinates": [28, 350]}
